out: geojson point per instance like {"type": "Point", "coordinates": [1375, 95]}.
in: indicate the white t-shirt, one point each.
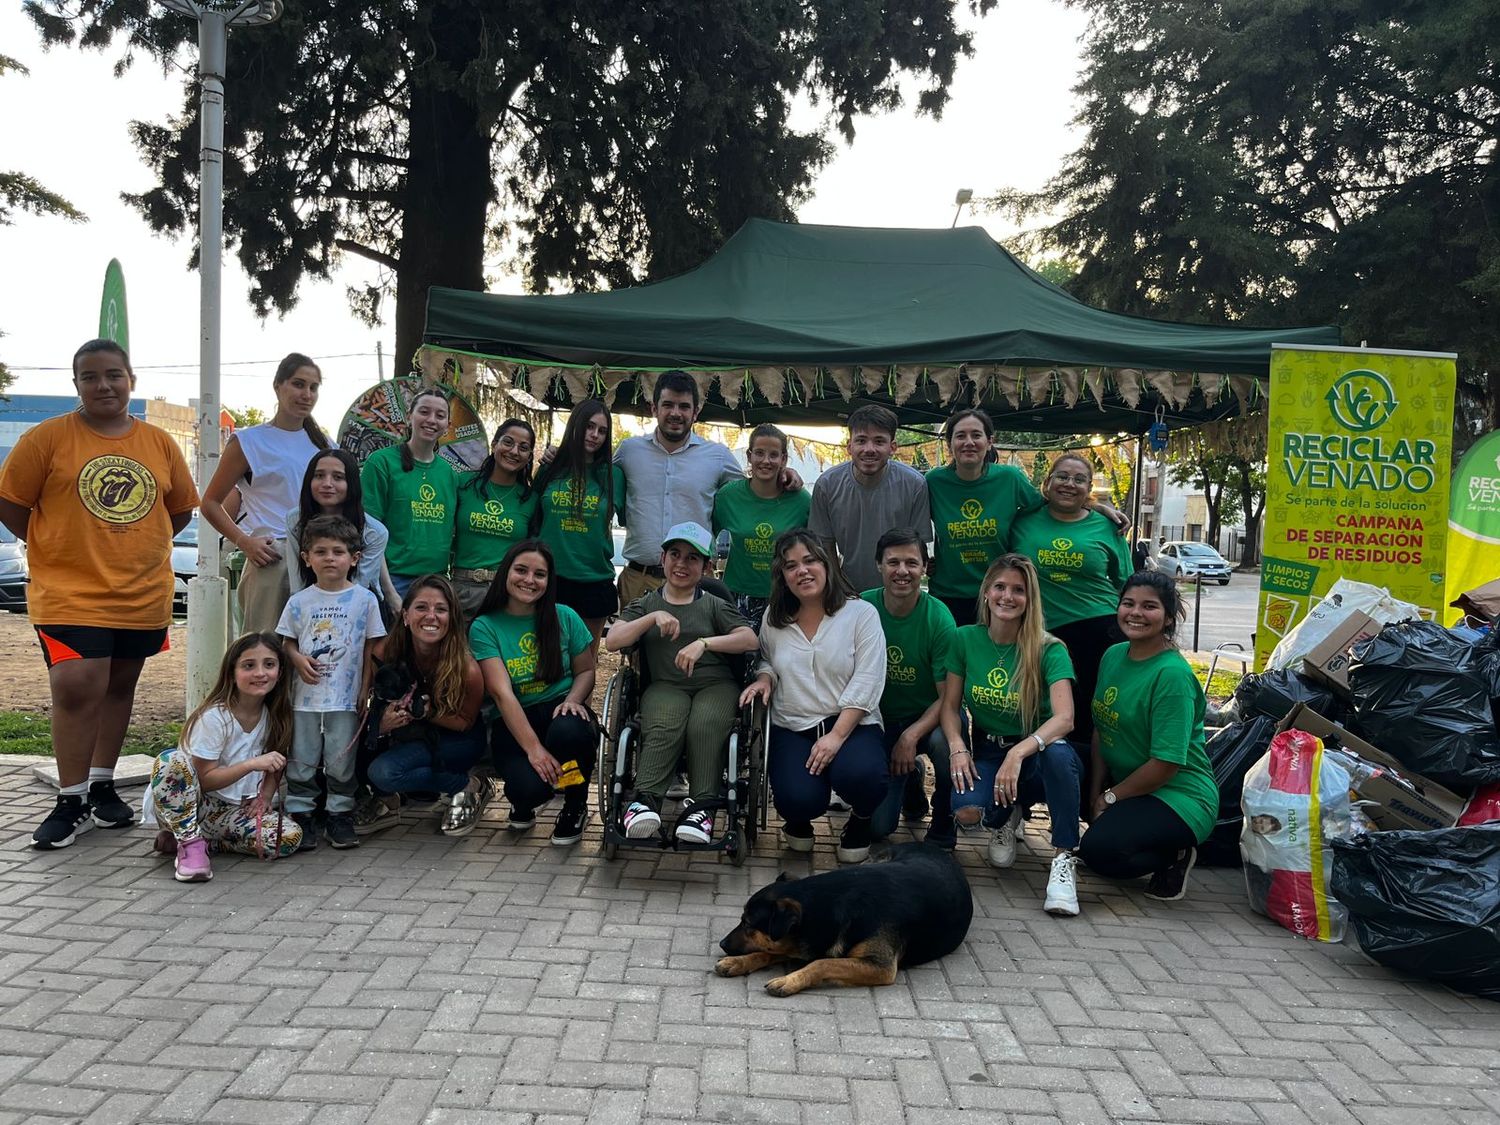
{"type": "Point", "coordinates": [331, 627]}
{"type": "Point", "coordinates": [218, 737]}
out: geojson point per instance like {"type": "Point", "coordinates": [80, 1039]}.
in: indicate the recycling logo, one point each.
{"type": "Point", "coordinates": [1361, 400]}
{"type": "Point", "coordinates": [764, 530]}
{"type": "Point", "coordinates": [1061, 544]}
{"type": "Point", "coordinates": [971, 509]}
{"type": "Point", "coordinates": [427, 493]}
{"type": "Point", "coordinates": [999, 678]}
{"type": "Point", "coordinates": [1110, 695]}
{"type": "Point", "coordinates": [894, 654]}
{"type": "Point", "coordinates": [527, 644]}
{"type": "Point", "coordinates": [494, 507]}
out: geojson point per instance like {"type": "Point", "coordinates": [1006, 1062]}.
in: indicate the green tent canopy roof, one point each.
{"type": "Point", "coordinates": [800, 323]}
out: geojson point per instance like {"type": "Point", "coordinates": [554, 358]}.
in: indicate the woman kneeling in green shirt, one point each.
{"type": "Point", "coordinates": [1161, 799]}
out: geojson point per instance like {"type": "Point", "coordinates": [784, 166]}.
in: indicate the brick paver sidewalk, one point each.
{"type": "Point", "coordinates": [489, 979]}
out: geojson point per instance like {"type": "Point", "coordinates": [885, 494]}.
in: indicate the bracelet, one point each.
{"type": "Point", "coordinates": [965, 750]}
{"type": "Point", "coordinates": [1040, 745]}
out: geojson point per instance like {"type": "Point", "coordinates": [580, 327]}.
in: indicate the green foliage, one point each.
{"type": "Point", "coordinates": [250, 416]}
{"type": "Point", "coordinates": [1308, 161]}
{"type": "Point", "coordinates": [28, 732]}
{"type": "Point", "coordinates": [598, 143]}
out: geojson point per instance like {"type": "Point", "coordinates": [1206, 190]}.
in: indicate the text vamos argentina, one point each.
{"type": "Point", "coordinates": [1334, 461]}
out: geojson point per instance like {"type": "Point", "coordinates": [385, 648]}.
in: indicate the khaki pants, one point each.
{"type": "Point", "coordinates": [263, 593]}
{"type": "Point", "coordinates": [634, 584]}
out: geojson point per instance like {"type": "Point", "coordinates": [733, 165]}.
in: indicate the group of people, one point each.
{"type": "Point", "coordinates": [409, 629]}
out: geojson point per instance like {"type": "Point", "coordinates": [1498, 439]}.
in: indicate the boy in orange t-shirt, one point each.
{"type": "Point", "coordinates": [97, 495]}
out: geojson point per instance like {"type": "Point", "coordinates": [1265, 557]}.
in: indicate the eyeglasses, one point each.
{"type": "Point", "coordinates": [1068, 478]}
{"type": "Point", "coordinates": [512, 443]}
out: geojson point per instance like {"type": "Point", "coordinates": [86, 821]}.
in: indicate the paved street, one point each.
{"type": "Point", "coordinates": [1226, 613]}
{"type": "Point", "coordinates": [492, 980]}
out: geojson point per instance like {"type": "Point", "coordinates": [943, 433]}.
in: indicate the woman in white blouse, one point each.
{"type": "Point", "coordinates": [822, 672]}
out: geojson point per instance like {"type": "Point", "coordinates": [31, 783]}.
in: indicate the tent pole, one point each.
{"type": "Point", "coordinates": [1138, 486]}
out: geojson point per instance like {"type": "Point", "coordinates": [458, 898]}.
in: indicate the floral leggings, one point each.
{"type": "Point", "coordinates": [188, 813]}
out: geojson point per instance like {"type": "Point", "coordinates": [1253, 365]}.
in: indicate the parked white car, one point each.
{"type": "Point", "coordinates": [1193, 562]}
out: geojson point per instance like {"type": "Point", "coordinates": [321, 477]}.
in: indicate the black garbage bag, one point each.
{"type": "Point", "coordinates": [1273, 694]}
{"type": "Point", "coordinates": [1421, 696]}
{"type": "Point", "coordinates": [1426, 903]}
{"type": "Point", "coordinates": [1232, 752]}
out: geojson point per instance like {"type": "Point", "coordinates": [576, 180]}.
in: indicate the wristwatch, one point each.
{"type": "Point", "coordinates": [1109, 796]}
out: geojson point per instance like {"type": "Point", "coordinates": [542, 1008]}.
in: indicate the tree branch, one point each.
{"type": "Point", "coordinates": [363, 251]}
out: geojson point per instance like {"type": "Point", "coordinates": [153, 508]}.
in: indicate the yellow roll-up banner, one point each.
{"type": "Point", "coordinates": [1357, 467]}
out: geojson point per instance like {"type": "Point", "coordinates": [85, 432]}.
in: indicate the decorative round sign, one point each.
{"type": "Point", "coordinates": [377, 419]}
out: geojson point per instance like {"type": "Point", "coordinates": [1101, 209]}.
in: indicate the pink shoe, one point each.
{"type": "Point", "coordinates": [192, 862]}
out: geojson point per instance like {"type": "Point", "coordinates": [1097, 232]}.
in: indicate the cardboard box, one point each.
{"type": "Point", "coordinates": [1419, 804]}
{"type": "Point", "coordinates": [1329, 660]}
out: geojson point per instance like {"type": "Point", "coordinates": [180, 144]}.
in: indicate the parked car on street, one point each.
{"type": "Point", "coordinates": [1194, 562]}
{"type": "Point", "coordinates": [14, 573]}
{"type": "Point", "coordinates": [184, 563]}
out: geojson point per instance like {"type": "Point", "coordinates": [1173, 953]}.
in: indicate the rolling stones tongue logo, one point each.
{"type": "Point", "coordinates": [118, 490]}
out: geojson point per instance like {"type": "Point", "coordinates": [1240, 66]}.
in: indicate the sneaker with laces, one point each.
{"type": "Point", "coordinates": [109, 811]}
{"type": "Point", "coordinates": [1062, 886]}
{"type": "Point", "coordinates": [697, 827]}
{"type": "Point", "coordinates": [68, 818]}
{"type": "Point", "coordinates": [1170, 883]}
{"type": "Point", "coordinates": [465, 807]}
{"type": "Point", "coordinates": [339, 827]}
{"type": "Point", "coordinates": [1002, 850]}
{"type": "Point", "coordinates": [797, 837]}
{"type": "Point", "coordinates": [309, 825]}
{"type": "Point", "coordinates": [520, 819]}
{"type": "Point", "coordinates": [641, 821]}
{"type": "Point", "coordinates": [192, 865]}
{"type": "Point", "coordinates": [570, 824]}
{"type": "Point", "coordinates": [376, 813]}
{"type": "Point", "coordinates": [854, 840]}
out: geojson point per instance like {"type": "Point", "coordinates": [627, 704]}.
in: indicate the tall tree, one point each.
{"type": "Point", "coordinates": [597, 142]}
{"type": "Point", "coordinates": [1304, 161]}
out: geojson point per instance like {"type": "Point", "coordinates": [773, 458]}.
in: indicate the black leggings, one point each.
{"type": "Point", "coordinates": [1135, 837]}
{"type": "Point", "coordinates": [1087, 641]}
{"type": "Point", "coordinates": [567, 738]}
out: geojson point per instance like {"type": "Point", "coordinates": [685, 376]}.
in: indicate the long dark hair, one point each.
{"type": "Point", "coordinates": [353, 508]}
{"type": "Point", "coordinates": [782, 610]}
{"type": "Point", "coordinates": [549, 663]}
{"type": "Point", "coordinates": [480, 482]}
{"type": "Point", "coordinates": [288, 367]}
{"type": "Point", "coordinates": [408, 462]}
{"type": "Point", "coordinates": [574, 464]}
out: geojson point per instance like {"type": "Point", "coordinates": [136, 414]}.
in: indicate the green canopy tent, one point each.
{"type": "Point", "coordinates": [799, 324]}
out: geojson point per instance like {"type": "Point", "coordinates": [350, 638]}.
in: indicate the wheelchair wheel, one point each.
{"type": "Point", "coordinates": [737, 847]}
{"type": "Point", "coordinates": [608, 848]}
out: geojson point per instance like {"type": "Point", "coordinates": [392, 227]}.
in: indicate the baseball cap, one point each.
{"type": "Point", "coordinates": [695, 535]}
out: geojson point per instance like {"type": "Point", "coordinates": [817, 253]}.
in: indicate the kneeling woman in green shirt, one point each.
{"type": "Point", "coordinates": [1160, 800]}
{"type": "Point", "coordinates": [537, 659]}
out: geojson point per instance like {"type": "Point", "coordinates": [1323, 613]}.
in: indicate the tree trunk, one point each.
{"type": "Point", "coordinates": [1254, 507]}
{"type": "Point", "coordinates": [447, 191]}
{"type": "Point", "coordinates": [1211, 532]}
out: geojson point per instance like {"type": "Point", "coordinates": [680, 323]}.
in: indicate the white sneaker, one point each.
{"type": "Point", "coordinates": [641, 821]}
{"type": "Point", "coordinates": [1003, 840]}
{"type": "Point", "coordinates": [1062, 886]}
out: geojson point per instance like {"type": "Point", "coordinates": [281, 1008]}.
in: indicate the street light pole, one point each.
{"type": "Point", "coordinates": [208, 591]}
{"type": "Point", "coordinates": [963, 196]}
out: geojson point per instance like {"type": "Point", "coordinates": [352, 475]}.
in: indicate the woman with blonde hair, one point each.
{"type": "Point", "coordinates": [1015, 679]}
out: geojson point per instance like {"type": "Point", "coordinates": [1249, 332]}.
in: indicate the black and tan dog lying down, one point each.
{"type": "Point", "coordinates": [856, 925]}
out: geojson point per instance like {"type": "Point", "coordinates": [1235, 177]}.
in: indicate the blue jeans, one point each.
{"type": "Point", "coordinates": [1053, 775]}
{"type": "Point", "coordinates": [857, 771]}
{"type": "Point", "coordinates": [407, 767]}
{"type": "Point", "coordinates": [402, 583]}
{"type": "Point", "coordinates": [935, 746]}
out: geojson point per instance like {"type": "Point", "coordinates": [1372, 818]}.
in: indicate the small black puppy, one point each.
{"type": "Point", "coordinates": [856, 925]}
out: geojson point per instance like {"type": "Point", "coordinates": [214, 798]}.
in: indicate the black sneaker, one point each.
{"type": "Point", "coordinates": [941, 832]}
{"type": "Point", "coordinates": [63, 824]}
{"type": "Point", "coordinates": [520, 819]}
{"type": "Point", "coordinates": [854, 840]}
{"type": "Point", "coordinates": [309, 825]}
{"type": "Point", "coordinates": [797, 836]}
{"type": "Point", "coordinates": [914, 800]}
{"type": "Point", "coordinates": [339, 827]}
{"type": "Point", "coordinates": [569, 827]}
{"type": "Point", "coordinates": [109, 811]}
{"type": "Point", "coordinates": [1170, 883]}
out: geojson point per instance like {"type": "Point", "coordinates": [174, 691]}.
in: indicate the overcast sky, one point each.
{"type": "Point", "coordinates": [1008, 124]}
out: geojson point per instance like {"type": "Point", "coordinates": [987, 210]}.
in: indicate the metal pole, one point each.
{"type": "Point", "coordinates": [208, 593]}
{"type": "Point", "coordinates": [1139, 487]}
{"type": "Point", "coordinates": [379, 361]}
{"type": "Point", "coordinates": [1197, 609]}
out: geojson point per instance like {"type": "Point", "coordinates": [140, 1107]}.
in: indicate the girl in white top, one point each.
{"type": "Point", "coordinates": [822, 672]}
{"type": "Point", "coordinates": [331, 487]}
{"type": "Point", "coordinates": [266, 463]}
{"type": "Point", "coordinates": [219, 784]}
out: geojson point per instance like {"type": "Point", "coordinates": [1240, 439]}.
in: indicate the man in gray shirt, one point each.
{"type": "Point", "coordinates": [855, 503]}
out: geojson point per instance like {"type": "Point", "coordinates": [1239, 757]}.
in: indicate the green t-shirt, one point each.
{"type": "Point", "coordinates": [753, 523]}
{"type": "Point", "coordinates": [989, 672]}
{"type": "Point", "coordinates": [1081, 564]}
{"type": "Point", "coordinates": [416, 508]}
{"type": "Point", "coordinates": [512, 638]}
{"type": "Point", "coordinates": [578, 532]}
{"type": "Point", "coordinates": [704, 616]}
{"type": "Point", "coordinates": [491, 518]}
{"type": "Point", "coordinates": [971, 522]}
{"type": "Point", "coordinates": [1146, 709]}
{"type": "Point", "coordinates": [917, 650]}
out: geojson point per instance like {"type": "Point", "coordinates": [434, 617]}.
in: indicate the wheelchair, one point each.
{"type": "Point", "coordinates": [746, 781]}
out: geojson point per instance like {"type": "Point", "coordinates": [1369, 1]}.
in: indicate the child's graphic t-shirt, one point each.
{"type": "Point", "coordinates": [330, 627]}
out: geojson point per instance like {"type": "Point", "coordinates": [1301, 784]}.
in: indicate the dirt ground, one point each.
{"type": "Point", "coordinates": [160, 695]}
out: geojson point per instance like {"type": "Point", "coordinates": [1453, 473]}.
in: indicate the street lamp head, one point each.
{"type": "Point", "coordinates": [236, 13]}
{"type": "Point", "coordinates": [963, 196]}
